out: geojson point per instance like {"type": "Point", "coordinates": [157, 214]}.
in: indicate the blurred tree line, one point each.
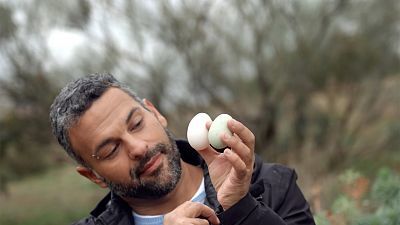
{"type": "Point", "coordinates": [316, 81]}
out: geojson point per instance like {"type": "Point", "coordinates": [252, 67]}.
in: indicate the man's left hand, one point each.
{"type": "Point", "coordinates": [231, 171]}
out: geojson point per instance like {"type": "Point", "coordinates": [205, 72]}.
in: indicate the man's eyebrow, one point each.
{"type": "Point", "coordinates": [110, 140]}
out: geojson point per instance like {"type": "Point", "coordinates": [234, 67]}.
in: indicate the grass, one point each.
{"type": "Point", "coordinates": [59, 196]}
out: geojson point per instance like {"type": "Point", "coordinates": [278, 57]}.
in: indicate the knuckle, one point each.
{"type": "Point", "coordinates": [242, 173]}
{"type": "Point", "coordinates": [180, 221]}
{"type": "Point", "coordinates": [252, 137]}
{"type": "Point", "coordinates": [234, 140]}
{"type": "Point", "coordinates": [187, 204]}
{"type": "Point", "coordinates": [235, 157]}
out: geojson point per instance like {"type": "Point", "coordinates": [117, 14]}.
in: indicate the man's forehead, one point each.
{"type": "Point", "coordinates": [113, 102]}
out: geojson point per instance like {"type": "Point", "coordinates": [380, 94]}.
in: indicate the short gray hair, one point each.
{"type": "Point", "coordinates": [73, 101]}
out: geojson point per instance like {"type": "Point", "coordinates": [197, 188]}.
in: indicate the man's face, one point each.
{"type": "Point", "coordinates": [128, 146]}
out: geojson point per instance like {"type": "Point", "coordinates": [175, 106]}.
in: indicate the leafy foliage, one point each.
{"type": "Point", "coordinates": [380, 205]}
{"type": "Point", "coordinates": [26, 137]}
{"type": "Point", "coordinates": [314, 81]}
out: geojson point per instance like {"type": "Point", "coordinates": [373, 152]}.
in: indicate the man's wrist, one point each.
{"type": "Point", "coordinates": [228, 204]}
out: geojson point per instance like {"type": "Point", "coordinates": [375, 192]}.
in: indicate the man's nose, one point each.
{"type": "Point", "coordinates": [136, 148]}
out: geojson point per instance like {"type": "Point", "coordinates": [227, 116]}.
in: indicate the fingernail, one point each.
{"type": "Point", "coordinates": [227, 151]}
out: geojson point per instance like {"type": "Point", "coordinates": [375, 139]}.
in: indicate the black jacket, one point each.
{"type": "Point", "coordinates": [274, 198]}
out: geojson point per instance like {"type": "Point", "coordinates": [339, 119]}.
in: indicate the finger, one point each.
{"type": "Point", "coordinates": [191, 213]}
{"type": "Point", "coordinates": [207, 213]}
{"type": "Point", "coordinates": [197, 221]}
{"type": "Point", "coordinates": [243, 151]}
{"type": "Point", "coordinates": [243, 132]}
{"type": "Point", "coordinates": [237, 163]}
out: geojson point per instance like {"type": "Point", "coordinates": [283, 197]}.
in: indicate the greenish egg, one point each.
{"type": "Point", "coordinates": [218, 127]}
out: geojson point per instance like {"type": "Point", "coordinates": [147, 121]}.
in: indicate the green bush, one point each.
{"type": "Point", "coordinates": [385, 199]}
{"type": "Point", "coordinates": [380, 206]}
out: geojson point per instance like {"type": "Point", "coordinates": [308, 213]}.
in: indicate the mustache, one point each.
{"type": "Point", "coordinates": [159, 148]}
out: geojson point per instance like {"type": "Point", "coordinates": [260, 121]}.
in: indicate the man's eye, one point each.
{"type": "Point", "coordinates": [110, 152]}
{"type": "Point", "coordinates": [136, 125]}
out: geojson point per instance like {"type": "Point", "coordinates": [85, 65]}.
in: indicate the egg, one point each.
{"type": "Point", "coordinates": [197, 133]}
{"type": "Point", "coordinates": [219, 126]}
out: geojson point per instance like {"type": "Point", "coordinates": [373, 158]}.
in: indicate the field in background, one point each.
{"type": "Point", "coordinates": [59, 196]}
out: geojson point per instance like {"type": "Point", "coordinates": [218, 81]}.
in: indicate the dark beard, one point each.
{"type": "Point", "coordinates": [154, 188]}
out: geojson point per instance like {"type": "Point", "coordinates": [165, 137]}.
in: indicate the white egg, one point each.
{"type": "Point", "coordinates": [197, 133]}
{"type": "Point", "coordinates": [218, 127]}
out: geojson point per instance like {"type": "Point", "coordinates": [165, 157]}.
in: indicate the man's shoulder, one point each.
{"type": "Point", "coordinates": [272, 181]}
{"type": "Point", "coordinates": [274, 171]}
{"type": "Point", "coordinates": [110, 210]}
{"type": "Point", "coordinates": [86, 221]}
{"type": "Point", "coordinates": [273, 175]}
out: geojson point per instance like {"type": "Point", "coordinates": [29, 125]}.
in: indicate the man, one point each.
{"type": "Point", "coordinates": [122, 143]}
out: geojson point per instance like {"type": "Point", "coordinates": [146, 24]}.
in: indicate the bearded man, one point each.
{"type": "Point", "coordinates": [121, 142]}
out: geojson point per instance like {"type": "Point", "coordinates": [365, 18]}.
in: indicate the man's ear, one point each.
{"type": "Point", "coordinates": [90, 174]}
{"type": "Point", "coordinates": [154, 110]}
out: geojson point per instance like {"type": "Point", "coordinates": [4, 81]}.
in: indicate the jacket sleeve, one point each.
{"type": "Point", "coordinates": [291, 209]}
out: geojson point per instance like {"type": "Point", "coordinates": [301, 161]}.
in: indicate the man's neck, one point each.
{"type": "Point", "coordinates": [185, 189]}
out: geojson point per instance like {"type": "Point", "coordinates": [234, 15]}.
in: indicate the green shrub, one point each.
{"type": "Point", "coordinates": [380, 206]}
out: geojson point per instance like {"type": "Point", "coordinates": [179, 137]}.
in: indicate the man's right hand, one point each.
{"type": "Point", "coordinates": [191, 213]}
